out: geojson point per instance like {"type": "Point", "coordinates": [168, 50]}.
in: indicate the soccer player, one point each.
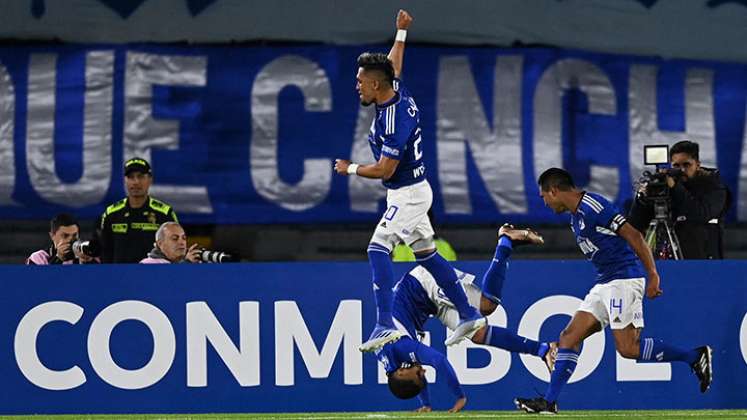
{"type": "Point", "coordinates": [616, 300]}
{"type": "Point", "coordinates": [395, 140]}
{"type": "Point", "coordinates": [417, 297]}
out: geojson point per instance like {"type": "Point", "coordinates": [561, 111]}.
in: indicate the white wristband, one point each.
{"type": "Point", "coordinates": [353, 169]}
{"type": "Point", "coordinates": [401, 35]}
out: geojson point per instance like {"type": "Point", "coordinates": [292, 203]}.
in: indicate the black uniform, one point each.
{"type": "Point", "coordinates": [128, 234]}
{"type": "Point", "coordinates": [698, 208]}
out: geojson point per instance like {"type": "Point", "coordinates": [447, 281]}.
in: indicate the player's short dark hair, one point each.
{"type": "Point", "coordinates": [404, 389]}
{"type": "Point", "coordinates": [62, 219]}
{"type": "Point", "coordinates": [378, 62]}
{"type": "Point", "coordinates": [556, 178]}
{"type": "Point", "coordinates": [686, 146]}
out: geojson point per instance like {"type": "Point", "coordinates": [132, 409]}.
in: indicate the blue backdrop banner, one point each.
{"type": "Point", "coordinates": [283, 337]}
{"type": "Point", "coordinates": [249, 134]}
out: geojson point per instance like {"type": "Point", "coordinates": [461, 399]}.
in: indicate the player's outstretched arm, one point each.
{"type": "Point", "coordinates": [636, 241]}
{"type": "Point", "coordinates": [397, 53]}
{"type": "Point", "coordinates": [431, 357]}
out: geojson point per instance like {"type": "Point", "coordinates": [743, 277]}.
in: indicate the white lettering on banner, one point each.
{"type": "Point", "coordinates": [630, 370]}
{"type": "Point", "coordinates": [203, 326]}
{"type": "Point", "coordinates": [97, 130]}
{"type": "Point", "coordinates": [560, 77]}
{"type": "Point", "coordinates": [27, 357]}
{"type": "Point", "coordinates": [463, 126]}
{"type": "Point", "coordinates": [743, 338]}
{"type": "Point", "coordinates": [7, 128]}
{"type": "Point", "coordinates": [643, 117]}
{"type": "Point", "coordinates": [345, 330]}
{"type": "Point", "coordinates": [164, 344]}
{"type": "Point", "coordinates": [143, 132]}
{"type": "Point", "coordinates": [531, 323]}
{"type": "Point", "coordinates": [500, 360]}
{"type": "Point", "coordinates": [313, 83]}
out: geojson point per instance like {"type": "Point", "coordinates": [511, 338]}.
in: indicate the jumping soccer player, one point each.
{"type": "Point", "coordinates": [395, 140]}
{"type": "Point", "coordinates": [417, 297]}
{"type": "Point", "coordinates": [616, 300]}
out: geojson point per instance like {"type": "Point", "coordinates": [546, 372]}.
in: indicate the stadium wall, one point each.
{"type": "Point", "coordinates": [281, 337]}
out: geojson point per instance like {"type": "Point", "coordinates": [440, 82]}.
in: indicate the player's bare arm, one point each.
{"type": "Point", "coordinates": [397, 53]}
{"type": "Point", "coordinates": [458, 405]}
{"type": "Point", "coordinates": [636, 241]}
{"type": "Point", "coordinates": [383, 169]}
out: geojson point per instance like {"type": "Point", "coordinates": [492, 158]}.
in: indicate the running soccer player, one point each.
{"type": "Point", "coordinates": [395, 140]}
{"type": "Point", "coordinates": [616, 300]}
{"type": "Point", "coordinates": [417, 297]}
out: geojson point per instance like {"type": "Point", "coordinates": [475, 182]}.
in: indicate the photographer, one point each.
{"type": "Point", "coordinates": [66, 248]}
{"type": "Point", "coordinates": [171, 247]}
{"type": "Point", "coordinates": [698, 202]}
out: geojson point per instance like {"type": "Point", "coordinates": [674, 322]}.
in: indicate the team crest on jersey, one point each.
{"type": "Point", "coordinates": [581, 224]}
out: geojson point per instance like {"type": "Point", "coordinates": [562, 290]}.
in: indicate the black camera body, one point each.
{"type": "Point", "coordinates": [656, 184]}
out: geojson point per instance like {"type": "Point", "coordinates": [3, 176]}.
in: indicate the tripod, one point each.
{"type": "Point", "coordinates": [660, 235]}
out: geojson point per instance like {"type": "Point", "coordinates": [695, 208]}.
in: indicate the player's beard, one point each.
{"type": "Point", "coordinates": [366, 103]}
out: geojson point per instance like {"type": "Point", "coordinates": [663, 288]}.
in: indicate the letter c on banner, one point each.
{"type": "Point", "coordinates": [530, 326]}
{"type": "Point", "coordinates": [743, 338]}
{"type": "Point", "coordinates": [25, 346]}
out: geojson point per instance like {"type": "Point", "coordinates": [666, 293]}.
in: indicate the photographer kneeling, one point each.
{"type": "Point", "coordinates": [66, 247]}
{"type": "Point", "coordinates": [698, 201]}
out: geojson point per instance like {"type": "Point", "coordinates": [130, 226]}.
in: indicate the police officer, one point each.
{"type": "Point", "coordinates": [127, 227]}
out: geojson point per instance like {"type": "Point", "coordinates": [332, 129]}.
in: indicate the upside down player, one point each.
{"type": "Point", "coordinates": [417, 297]}
{"type": "Point", "coordinates": [395, 138]}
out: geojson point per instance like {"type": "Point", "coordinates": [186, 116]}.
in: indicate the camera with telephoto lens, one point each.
{"type": "Point", "coordinates": [79, 247]}
{"type": "Point", "coordinates": [209, 256]}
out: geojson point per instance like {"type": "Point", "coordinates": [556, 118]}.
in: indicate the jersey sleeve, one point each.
{"type": "Point", "coordinates": [607, 214]}
{"type": "Point", "coordinates": [431, 357]}
{"type": "Point", "coordinates": [425, 396]}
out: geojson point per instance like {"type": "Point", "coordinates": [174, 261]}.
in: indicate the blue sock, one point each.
{"type": "Point", "coordinates": [565, 364]}
{"type": "Point", "coordinates": [507, 340]}
{"type": "Point", "coordinates": [383, 279]}
{"type": "Point", "coordinates": [447, 280]}
{"type": "Point", "coordinates": [492, 281]}
{"type": "Point", "coordinates": [659, 351]}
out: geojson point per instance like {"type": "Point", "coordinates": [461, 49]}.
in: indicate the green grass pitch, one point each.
{"type": "Point", "coordinates": [585, 415]}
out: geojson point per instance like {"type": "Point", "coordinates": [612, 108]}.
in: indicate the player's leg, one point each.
{"type": "Point", "coordinates": [379, 248]}
{"type": "Point", "coordinates": [582, 325]}
{"type": "Point", "coordinates": [492, 282]}
{"type": "Point", "coordinates": [420, 239]}
{"type": "Point", "coordinates": [628, 324]}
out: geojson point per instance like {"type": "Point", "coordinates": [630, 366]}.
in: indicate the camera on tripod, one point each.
{"type": "Point", "coordinates": [656, 182]}
{"type": "Point", "coordinates": [660, 234]}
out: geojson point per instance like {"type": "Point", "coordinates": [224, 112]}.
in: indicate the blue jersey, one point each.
{"type": "Point", "coordinates": [411, 306]}
{"type": "Point", "coordinates": [595, 224]}
{"type": "Point", "coordinates": [406, 352]}
{"type": "Point", "coordinates": [395, 133]}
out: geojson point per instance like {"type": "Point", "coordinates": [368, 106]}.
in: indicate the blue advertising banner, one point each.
{"type": "Point", "coordinates": [249, 134]}
{"type": "Point", "coordinates": [275, 337]}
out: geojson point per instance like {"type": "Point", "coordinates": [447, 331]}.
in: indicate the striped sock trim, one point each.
{"type": "Point", "coordinates": [648, 348]}
{"type": "Point", "coordinates": [427, 257]}
{"type": "Point", "coordinates": [378, 248]}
